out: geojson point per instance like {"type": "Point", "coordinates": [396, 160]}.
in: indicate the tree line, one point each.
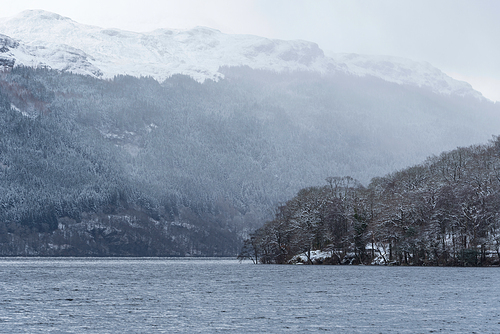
{"type": "Point", "coordinates": [444, 211]}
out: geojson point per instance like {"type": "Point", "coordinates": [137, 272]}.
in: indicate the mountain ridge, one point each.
{"type": "Point", "coordinates": [67, 45]}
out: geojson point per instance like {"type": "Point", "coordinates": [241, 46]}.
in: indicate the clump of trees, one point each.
{"type": "Point", "coordinates": [444, 211]}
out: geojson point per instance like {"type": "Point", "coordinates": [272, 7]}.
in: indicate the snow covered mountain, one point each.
{"type": "Point", "coordinates": [40, 38]}
{"type": "Point", "coordinates": [64, 57]}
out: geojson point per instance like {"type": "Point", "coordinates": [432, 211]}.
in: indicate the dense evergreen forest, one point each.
{"type": "Point", "coordinates": [135, 167]}
{"type": "Point", "coordinates": [445, 211]}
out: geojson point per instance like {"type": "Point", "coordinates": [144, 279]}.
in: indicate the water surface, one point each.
{"type": "Point", "coordinates": [224, 296]}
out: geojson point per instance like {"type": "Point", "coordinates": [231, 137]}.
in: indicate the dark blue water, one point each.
{"type": "Point", "coordinates": [225, 296]}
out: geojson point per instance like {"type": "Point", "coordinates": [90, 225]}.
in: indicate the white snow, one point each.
{"type": "Point", "coordinates": [25, 114]}
{"type": "Point", "coordinates": [48, 39]}
{"type": "Point", "coordinates": [403, 71]}
{"type": "Point", "coordinates": [381, 255]}
{"type": "Point", "coordinates": [316, 255]}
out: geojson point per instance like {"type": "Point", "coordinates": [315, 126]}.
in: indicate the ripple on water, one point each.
{"type": "Point", "coordinates": [221, 295]}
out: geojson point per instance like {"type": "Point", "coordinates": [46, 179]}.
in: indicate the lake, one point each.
{"type": "Point", "coordinates": [180, 295]}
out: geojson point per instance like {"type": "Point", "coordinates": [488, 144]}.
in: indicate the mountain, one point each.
{"type": "Point", "coordinates": [64, 58]}
{"type": "Point", "coordinates": [175, 143]}
{"type": "Point", "coordinates": [63, 44]}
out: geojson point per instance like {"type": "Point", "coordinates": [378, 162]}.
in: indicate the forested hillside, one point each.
{"type": "Point", "coordinates": [132, 166]}
{"type": "Point", "coordinates": [444, 211]}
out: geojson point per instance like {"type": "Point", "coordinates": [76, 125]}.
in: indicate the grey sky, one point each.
{"type": "Point", "coordinates": [461, 37]}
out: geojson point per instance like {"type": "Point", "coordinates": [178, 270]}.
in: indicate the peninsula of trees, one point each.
{"type": "Point", "coordinates": [445, 212]}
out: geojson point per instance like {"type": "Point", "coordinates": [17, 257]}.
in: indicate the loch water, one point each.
{"type": "Point", "coordinates": [192, 295]}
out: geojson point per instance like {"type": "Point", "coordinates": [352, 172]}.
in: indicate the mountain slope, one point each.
{"type": "Point", "coordinates": [131, 166]}
{"type": "Point", "coordinates": [198, 52]}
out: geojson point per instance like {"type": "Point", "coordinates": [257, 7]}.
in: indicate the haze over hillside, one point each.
{"type": "Point", "coordinates": [181, 142]}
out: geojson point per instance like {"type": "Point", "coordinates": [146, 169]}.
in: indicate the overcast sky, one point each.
{"type": "Point", "coordinates": [460, 37]}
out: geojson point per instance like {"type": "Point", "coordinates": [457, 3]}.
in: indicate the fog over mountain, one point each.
{"type": "Point", "coordinates": [181, 142]}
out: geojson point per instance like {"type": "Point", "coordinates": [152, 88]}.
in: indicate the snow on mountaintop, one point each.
{"type": "Point", "coordinates": [65, 58]}
{"type": "Point", "coordinates": [48, 39]}
{"type": "Point", "coordinates": [404, 71]}
{"type": "Point", "coordinates": [198, 52]}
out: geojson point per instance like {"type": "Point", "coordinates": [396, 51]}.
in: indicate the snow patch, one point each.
{"type": "Point", "coordinates": [316, 255]}
{"type": "Point", "coordinates": [25, 114]}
